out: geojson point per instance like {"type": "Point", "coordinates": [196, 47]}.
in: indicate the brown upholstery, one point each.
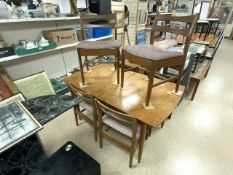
{"type": "Point", "coordinates": [123, 129]}
{"type": "Point", "coordinates": [155, 56]}
{"type": "Point", "coordinates": [151, 52]}
{"type": "Point", "coordinates": [86, 105]}
{"type": "Point", "coordinates": [110, 44]}
{"type": "Point", "coordinates": [165, 44]}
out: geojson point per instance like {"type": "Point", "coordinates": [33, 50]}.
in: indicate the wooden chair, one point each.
{"type": "Point", "coordinates": [154, 58]}
{"type": "Point", "coordinates": [98, 48]}
{"type": "Point", "coordinates": [88, 104]}
{"type": "Point", "coordinates": [122, 123]}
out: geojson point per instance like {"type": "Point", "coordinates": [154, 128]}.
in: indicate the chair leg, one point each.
{"type": "Point", "coordinates": [142, 140]}
{"type": "Point", "coordinates": [122, 70]}
{"type": "Point", "coordinates": [150, 85]}
{"type": "Point", "coordinates": [86, 61]}
{"type": "Point", "coordinates": [162, 124]}
{"type": "Point", "coordinates": [76, 114]}
{"type": "Point", "coordinates": [179, 79]}
{"type": "Point", "coordinates": [118, 66]}
{"type": "Point", "coordinates": [95, 127]}
{"type": "Point", "coordinates": [81, 68]}
{"type": "Point", "coordinates": [131, 157]}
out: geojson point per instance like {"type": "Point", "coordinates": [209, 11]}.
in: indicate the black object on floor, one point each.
{"type": "Point", "coordinates": [69, 160]}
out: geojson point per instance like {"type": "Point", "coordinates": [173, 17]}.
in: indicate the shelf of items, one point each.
{"type": "Point", "coordinates": [38, 19]}
{"type": "Point", "coordinates": [14, 57]}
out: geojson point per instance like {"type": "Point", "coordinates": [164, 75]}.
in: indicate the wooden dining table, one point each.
{"type": "Point", "coordinates": [101, 83]}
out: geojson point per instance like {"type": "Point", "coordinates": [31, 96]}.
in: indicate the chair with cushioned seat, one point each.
{"type": "Point", "coordinates": [122, 123]}
{"type": "Point", "coordinates": [98, 48]}
{"type": "Point", "coordinates": [152, 57]}
{"type": "Point", "coordinates": [88, 104]}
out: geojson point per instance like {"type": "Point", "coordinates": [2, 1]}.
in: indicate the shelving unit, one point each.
{"type": "Point", "coordinates": [2, 21]}
{"type": "Point", "coordinates": [14, 57]}
{"type": "Point", "coordinates": [136, 9]}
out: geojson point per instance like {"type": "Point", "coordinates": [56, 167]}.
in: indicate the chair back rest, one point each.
{"type": "Point", "coordinates": [188, 24]}
{"type": "Point", "coordinates": [82, 95]}
{"type": "Point", "coordinates": [116, 115]}
{"type": "Point", "coordinates": [88, 21]}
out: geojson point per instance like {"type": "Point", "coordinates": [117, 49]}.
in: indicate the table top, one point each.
{"type": "Point", "coordinates": [130, 99]}
{"type": "Point", "coordinates": [69, 160]}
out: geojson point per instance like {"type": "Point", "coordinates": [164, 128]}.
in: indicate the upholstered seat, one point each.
{"type": "Point", "coordinates": [110, 44]}
{"type": "Point", "coordinates": [157, 55]}
{"type": "Point", "coordinates": [124, 124]}
{"type": "Point", "coordinates": [123, 129]}
{"type": "Point", "coordinates": [151, 52]}
{"type": "Point", "coordinates": [165, 44]}
{"type": "Point", "coordinates": [98, 49]}
{"type": "Point", "coordinates": [87, 106]}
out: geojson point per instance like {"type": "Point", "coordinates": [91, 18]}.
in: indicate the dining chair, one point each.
{"type": "Point", "coordinates": [154, 58]}
{"type": "Point", "coordinates": [109, 119]}
{"type": "Point", "coordinates": [87, 104]}
{"type": "Point", "coordinates": [98, 48]}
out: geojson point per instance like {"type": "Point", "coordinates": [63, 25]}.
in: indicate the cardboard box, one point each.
{"type": "Point", "coordinates": [61, 36]}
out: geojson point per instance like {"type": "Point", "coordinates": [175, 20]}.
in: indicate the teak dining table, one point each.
{"type": "Point", "coordinates": [101, 83]}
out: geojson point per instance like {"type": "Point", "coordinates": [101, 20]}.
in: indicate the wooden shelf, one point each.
{"type": "Point", "coordinates": [38, 19]}
{"type": "Point", "coordinates": [14, 57]}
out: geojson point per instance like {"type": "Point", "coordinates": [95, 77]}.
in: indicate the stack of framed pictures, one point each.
{"type": "Point", "coordinates": [35, 85]}
{"type": "Point", "coordinates": [7, 86]}
{"type": "Point", "coordinates": [16, 123]}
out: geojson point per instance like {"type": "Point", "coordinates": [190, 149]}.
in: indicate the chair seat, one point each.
{"type": "Point", "coordinates": [165, 44]}
{"type": "Point", "coordinates": [109, 44]}
{"type": "Point", "coordinates": [151, 52]}
{"type": "Point", "coordinates": [86, 106]}
{"type": "Point", "coordinates": [123, 129]}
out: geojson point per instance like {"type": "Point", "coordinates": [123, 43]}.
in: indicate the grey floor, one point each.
{"type": "Point", "coordinates": [198, 140]}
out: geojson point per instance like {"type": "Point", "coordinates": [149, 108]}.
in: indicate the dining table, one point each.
{"type": "Point", "coordinates": [101, 83]}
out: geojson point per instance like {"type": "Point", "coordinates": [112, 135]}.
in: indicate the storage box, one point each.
{"type": "Point", "coordinates": [6, 52]}
{"type": "Point", "coordinates": [20, 51]}
{"type": "Point", "coordinates": [101, 32]}
{"type": "Point", "coordinates": [61, 36]}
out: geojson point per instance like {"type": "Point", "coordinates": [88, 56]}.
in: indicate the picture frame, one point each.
{"type": "Point", "coordinates": [35, 85]}
{"type": "Point", "coordinates": [7, 86]}
{"type": "Point", "coordinates": [11, 99]}
{"type": "Point", "coordinates": [16, 124]}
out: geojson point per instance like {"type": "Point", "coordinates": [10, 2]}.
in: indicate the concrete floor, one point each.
{"type": "Point", "coordinates": [198, 140]}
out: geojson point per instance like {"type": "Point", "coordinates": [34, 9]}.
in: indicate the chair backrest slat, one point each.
{"type": "Point", "coordinates": [119, 116]}
{"type": "Point", "coordinates": [82, 95]}
{"type": "Point", "coordinates": [186, 30]}
{"type": "Point", "coordinates": [171, 30]}
{"type": "Point", "coordinates": [88, 21]}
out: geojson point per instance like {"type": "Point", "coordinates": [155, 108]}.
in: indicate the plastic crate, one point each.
{"type": "Point", "coordinates": [101, 32]}
{"type": "Point", "coordinates": [20, 51]}
{"type": "Point", "coordinates": [141, 37]}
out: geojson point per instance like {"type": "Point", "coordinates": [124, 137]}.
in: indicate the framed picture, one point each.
{"type": "Point", "coordinates": [7, 86]}
{"type": "Point", "coordinates": [16, 124]}
{"type": "Point", "coordinates": [11, 99]}
{"type": "Point", "coordinates": [35, 85]}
